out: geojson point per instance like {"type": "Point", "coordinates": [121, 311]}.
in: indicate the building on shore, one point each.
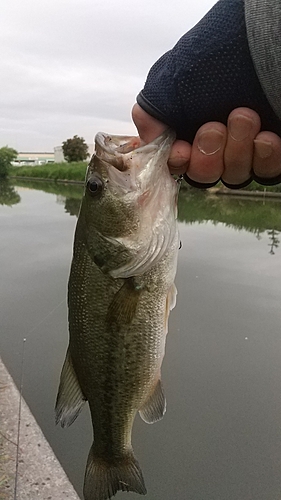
{"type": "Point", "coordinates": [33, 158]}
{"type": "Point", "coordinates": [42, 158]}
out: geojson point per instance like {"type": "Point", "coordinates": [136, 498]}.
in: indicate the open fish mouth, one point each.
{"type": "Point", "coordinates": [122, 151]}
{"type": "Point", "coordinates": [114, 144]}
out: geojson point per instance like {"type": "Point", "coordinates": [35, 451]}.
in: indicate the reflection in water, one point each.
{"type": "Point", "coordinates": [255, 215]}
{"type": "Point", "coordinates": [8, 194]}
{"type": "Point", "coordinates": [72, 206]}
{"type": "Point", "coordinates": [68, 195]}
{"type": "Point", "coordinates": [252, 214]}
{"type": "Point", "coordinates": [274, 241]}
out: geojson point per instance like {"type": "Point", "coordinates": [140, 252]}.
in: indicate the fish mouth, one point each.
{"type": "Point", "coordinates": [122, 151]}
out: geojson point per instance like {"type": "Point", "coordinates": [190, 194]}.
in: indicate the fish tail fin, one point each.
{"type": "Point", "coordinates": [103, 479]}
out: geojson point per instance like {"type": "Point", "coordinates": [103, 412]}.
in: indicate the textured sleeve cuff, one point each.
{"type": "Point", "coordinates": [151, 109]}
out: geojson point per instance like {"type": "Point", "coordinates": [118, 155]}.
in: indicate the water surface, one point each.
{"type": "Point", "coordinates": [221, 436]}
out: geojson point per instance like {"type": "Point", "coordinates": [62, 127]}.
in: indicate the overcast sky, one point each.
{"type": "Point", "coordinates": [75, 66]}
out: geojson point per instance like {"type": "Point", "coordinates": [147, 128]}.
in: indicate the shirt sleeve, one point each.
{"type": "Point", "coordinates": [208, 73]}
{"type": "Point", "coordinates": [263, 22]}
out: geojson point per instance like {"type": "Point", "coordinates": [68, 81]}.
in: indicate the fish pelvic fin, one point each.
{"type": "Point", "coordinates": [104, 478]}
{"type": "Point", "coordinates": [70, 398]}
{"type": "Point", "coordinates": [155, 407]}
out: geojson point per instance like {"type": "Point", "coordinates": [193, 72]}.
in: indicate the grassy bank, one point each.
{"type": "Point", "coordinates": [55, 171]}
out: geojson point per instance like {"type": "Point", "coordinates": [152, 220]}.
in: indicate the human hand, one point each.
{"type": "Point", "coordinates": [234, 153]}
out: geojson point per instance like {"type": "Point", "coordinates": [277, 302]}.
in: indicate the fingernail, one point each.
{"type": "Point", "coordinates": [240, 127]}
{"type": "Point", "coordinates": [263, 149]}
{"type": "Point", "coordinates": [210, 142]}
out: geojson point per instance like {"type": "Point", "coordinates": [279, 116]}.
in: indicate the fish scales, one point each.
{"type": "Point", "coordinates": [119, 296]}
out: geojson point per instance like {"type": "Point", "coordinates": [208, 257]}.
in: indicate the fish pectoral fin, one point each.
{"type": "Point", "coordinates": [172, 297]}
{"type": "Point", "coordinates": [170, 304]}
{"type": "Point", "coordinates": [155, 407]}
{"type": "Point", "coordinates": [124, 304]}
{"type": "Point", "coordinates": [104, 478]}
{"type": "Point", "coordinates": [70, 398]}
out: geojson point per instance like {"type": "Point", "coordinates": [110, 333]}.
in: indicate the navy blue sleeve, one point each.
{"type": "Point", "coordinates": [206, 75]}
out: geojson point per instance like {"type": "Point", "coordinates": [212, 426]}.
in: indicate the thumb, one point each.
{"type": "Point", "coordinates": [148, 127]}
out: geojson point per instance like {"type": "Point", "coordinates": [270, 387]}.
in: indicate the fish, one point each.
{"type": "Point", "coordinates": [120, 293]}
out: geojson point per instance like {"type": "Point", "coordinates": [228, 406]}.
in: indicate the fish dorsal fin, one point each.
{"type": "Point", "coordinates": [155, 407]}
{"type": "Point", "coordinates": [70, 398]}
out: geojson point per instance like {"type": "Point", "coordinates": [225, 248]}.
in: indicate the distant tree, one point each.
{"type": "Point", "coordinates": [8, 194]}
{"type": "Point", "coordinates": [7, 155]}
{"type": "Point", "coordinates": [75, 149]}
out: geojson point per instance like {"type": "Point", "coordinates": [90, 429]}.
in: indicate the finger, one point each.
{"type": "Point", "coordinates": [179, 157]}
{"type": "Point", "coordinates": [243, 126]}
{"type": "Point", "coordinates": [148, 127]}
{"type": "Point", "coordinates": [206, 161]}
{"type": "Point", "coordinates": [267, 155]}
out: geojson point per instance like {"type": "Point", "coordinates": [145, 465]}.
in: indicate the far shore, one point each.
{"type": "Point", "coordinates": [262, 192]}
{"type": "Point", "coordinates": [244, 192]}
{"type": "Point", "coordinates": [45, 179]}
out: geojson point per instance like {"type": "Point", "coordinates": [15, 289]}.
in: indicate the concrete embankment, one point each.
{"type": "Point", "coordinates": [40, 475]}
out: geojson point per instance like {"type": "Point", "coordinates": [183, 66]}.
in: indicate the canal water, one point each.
{"type": "Point", "coordinates": [221, 436]}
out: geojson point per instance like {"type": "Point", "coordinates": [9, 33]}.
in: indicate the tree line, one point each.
{"type": "Point", "coordinates": [74, 150]}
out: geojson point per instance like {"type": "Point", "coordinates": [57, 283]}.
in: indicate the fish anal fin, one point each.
{"type": "Point", "coordinates": [70, 398]}
{"type": "Point", "coordinates": [124, 304]}
{"type": "Point", "coordinates": [155, 407]}
{"type": "Point", "coordinates": [104, 478]}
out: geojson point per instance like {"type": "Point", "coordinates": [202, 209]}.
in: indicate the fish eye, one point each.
{"type": "Point", "coordinates": [94, 186]}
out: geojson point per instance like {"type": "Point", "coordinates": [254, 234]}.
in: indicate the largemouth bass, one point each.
{"type": "Point", "coordinates": [121, 290]}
